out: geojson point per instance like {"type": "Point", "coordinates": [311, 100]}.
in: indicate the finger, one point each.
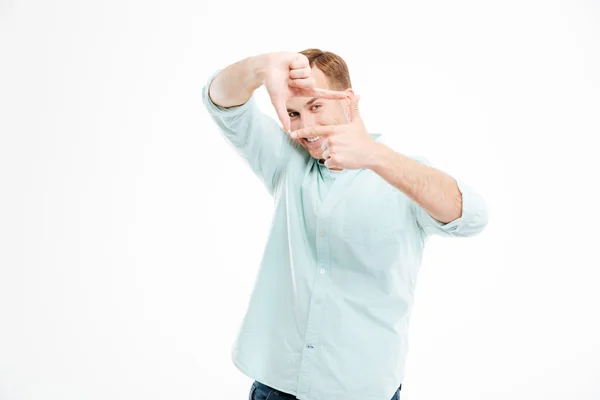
{"type": "Point", "coordinates": [282, 114]}
{"type": "Point", "coordinates": [330, 162]}
{"type": "Point", "coordinates": [300, 73]}
{"type": "Point", "coordinates": [328, 94]}
{"type": "Point", "coordinates": [326, 154]}
{"type": "Point", "coordinates": [354, 112]}
{"type": "Point", "coordinates": [303, 83]}
{"type": "Point", "coordinates": [313, 132]}
{"type": "Point", "coordinates": [300, 62]}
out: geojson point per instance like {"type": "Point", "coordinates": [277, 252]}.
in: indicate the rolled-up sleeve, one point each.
{"type": "Point", "coordinates": [473, 219]}
{"type": "Point", "coordinates": [254, 135]}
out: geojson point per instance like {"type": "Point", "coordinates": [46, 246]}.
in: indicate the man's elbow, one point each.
{"type": "Point", "coordinates": [478, 221]}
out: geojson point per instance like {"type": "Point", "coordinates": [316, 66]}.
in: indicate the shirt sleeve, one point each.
{"type": "Point", "coordinates": [472, 221]}
{"type": "Point", "coordinates": [254, 135]}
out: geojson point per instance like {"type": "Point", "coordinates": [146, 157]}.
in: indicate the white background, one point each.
{"type": "Point", "coordinates": [131, 233]}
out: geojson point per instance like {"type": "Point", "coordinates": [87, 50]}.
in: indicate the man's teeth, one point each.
{"type": "Point", "coordinates": [313, 139]}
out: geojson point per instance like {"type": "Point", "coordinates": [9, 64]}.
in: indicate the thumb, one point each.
{"type": "Point", "coordinates": [282, 114]}
{"type": "Point", "coordinates": [354, 112]}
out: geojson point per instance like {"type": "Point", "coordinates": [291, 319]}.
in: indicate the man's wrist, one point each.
{"type": "Point", "coordinates": [379, 156]}
{"type": "Point", "coordinates": [258, 66]}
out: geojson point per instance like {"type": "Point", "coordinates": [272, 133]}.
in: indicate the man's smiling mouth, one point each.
{"type": "Point", "coordinates": [313, 141]}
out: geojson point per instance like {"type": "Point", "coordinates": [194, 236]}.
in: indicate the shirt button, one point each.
{"type": "Point", "coordinates": [322, 271]}
{"type": "Point", "coordinates": [322, 233]}
{"type": "Point", "coordinates": [318, 301]}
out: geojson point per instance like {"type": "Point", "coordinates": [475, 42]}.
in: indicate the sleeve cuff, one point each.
{"type": "Point", "coordinates": [466, 211]}
{"type": "Point", "coordinates": [473, 218]}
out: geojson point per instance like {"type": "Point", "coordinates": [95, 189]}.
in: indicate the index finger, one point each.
{"type": "Point", "coordinates": [313, 131]}
{"type": "Point", "coordinates": [328, 94]}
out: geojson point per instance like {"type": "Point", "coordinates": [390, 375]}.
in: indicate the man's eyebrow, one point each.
{"type": "Point", "coordinates": [308, 103]}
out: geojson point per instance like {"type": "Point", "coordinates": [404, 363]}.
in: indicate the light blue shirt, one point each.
{"type": "Point", "coordinates": [329, 312]}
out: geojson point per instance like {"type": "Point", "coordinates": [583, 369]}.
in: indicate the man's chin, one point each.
{"type": "Point", "coordinates": [313, 154]}
{"type": "Point", "coordinates": [316, 155]}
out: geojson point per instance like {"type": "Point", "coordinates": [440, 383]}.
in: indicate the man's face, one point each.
{"type": "Point", "coordinates": [308, 112]}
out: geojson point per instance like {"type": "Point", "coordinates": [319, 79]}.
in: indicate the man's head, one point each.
{"type": "Point", "coordinates": [329, 72]}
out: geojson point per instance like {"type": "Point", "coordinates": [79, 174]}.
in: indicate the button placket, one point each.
{"type": "Point", "coordinates": [315, 317]}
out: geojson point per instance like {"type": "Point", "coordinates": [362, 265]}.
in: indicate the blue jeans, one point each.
{"type": "Point", "coordinates": [260, 391]}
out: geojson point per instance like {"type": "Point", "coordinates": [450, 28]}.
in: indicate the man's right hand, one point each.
{"type": "Point", "coordinates": [286, 75]}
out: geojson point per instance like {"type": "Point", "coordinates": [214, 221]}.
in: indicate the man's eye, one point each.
{"type": "Point", "coordinates": [317, 105]}
{"type": "Point", "coordinates": [293, 114]}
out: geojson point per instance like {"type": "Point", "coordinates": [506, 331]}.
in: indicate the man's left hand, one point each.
{"type": "Point", "coordinates": [346, 146]}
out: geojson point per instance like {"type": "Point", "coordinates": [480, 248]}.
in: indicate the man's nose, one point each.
{"type": "Point", "coordinates": [307, 121]}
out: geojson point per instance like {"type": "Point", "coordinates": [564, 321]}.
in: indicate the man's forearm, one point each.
{"type": "Point", "coordinates": [434, 190]}
{"type": "Point", "coordinates": [234, 85]}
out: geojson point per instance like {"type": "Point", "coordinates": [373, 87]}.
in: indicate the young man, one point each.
{"type": "Point", "coordinates": [329, 313]}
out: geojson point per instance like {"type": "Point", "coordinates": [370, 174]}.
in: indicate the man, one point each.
{"type": "Point", "coordinates": [329, 313]}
